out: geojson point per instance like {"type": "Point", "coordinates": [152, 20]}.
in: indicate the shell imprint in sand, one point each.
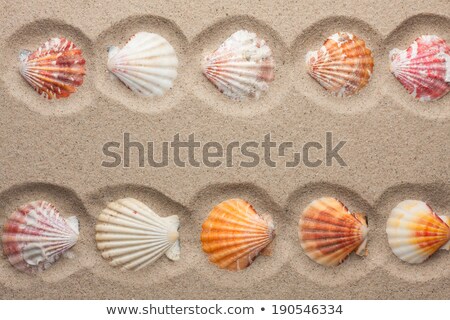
{"type": "Point", "coordinates": [242, 67]}
{"type": "Point", "coordinates": [147, 64]}
{"type": "Point", "coordinates": [35, 236]}
{"type": "Point", "coordinates": [130, 235]}
{"type": "Point", "coordinates": [329, 232]}
{"type": "Point", "coordinates": [343, 65]}
{"type": "Point", "coordinates": [55, 70]}
{"type": "Point", "coordinates": [233, 235]}
{"type": "Point", "coordinates": [415, 232]}
{"type": "Point", "coordinates": [424, 68]}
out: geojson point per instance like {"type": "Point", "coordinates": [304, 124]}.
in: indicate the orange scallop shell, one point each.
{"type": "Point", "coordinates": [55, 69]}
{"type": "Point", "coordinates": [343, 65]}
{"type": "Point", "coordinates": [233, 235]}
{"type": "Point", "coordinates": [329, 232]}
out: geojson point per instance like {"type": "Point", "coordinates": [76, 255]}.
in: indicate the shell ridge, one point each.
{"type": "Point", "coordinates": [323, 219]}
{"type": "Point", "coordinates": [234, 253]}
{"type": "Point", "coordinates": [138, 211]}
{"type": "Point", "coordinates": [127, 230]}
{"type": "Point", "coordinates": [144, 53]}
{"type": "Point", "coordinates": [153, 77]}
{"type": "Point", "coordinates": [224, 223]}
{"type": "Point", "coordinates": [215, 242]}
{"type": "Point", "coordinates": [141, 224]}
{"type": "Point", "coordinates": [244, 79]}
{"type": "Point", "coordinates": [50, 224]}
{"type": "Point", "coordinates": [229, 89]}
{"type": "Point", "coordinates": [121, 221]}
{"type": "Point", "coordinates": [146, 259]}
{"type": "Point", "coordinates": [140, 87]}
{"type": "Point", "coordinates": [127, 215]}
{"type": "Point", "coordinates": [136, 250]}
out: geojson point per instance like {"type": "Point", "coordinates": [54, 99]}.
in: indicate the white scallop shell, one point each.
{"type": "Point", "coordinates": [415, 231]}
{"type": "Point", "coordinates": [241, 67]}
{"type": "Point", "coordinates": [130, 235]}
{"type": "Point", "coordinates": [147, 64]}
{"type": "Point", "coordinates": [35, 236]}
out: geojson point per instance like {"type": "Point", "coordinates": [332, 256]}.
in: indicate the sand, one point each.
{"type": "Point", "coordinates": [396, 147]}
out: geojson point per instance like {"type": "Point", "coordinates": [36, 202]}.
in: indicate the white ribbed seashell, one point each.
{"type": "Point", "coordinates": [241, 67]}
{"type": "Point", "coordinates": [35, 236]}
{"type": "Point", "coordinates": [147, 64]}
{"type": "Point", "coordinates": [130, 235]}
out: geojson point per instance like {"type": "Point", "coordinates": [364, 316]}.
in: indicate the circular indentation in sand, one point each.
{"type": "Point", "coordinates": [263, 267]}
{"type": "Point", "coordinates": [211, 38]}
{"type": "Point", "coordinates": [402, 37]}
{"type": "Point", "coordinates": [435, 195]}
{"type": "Point", "coordinates": [118, 35]}
{"type": "Point", "coordinates": [162, 269]}
{"type": "Point", "coordinates": [68, 204]}
{"type": "Point", "coordinates": [312, 39]}
{"type": "Point", "coordinates": [30, 37]}
{"type": "Point", "coordinates": [354, 267]}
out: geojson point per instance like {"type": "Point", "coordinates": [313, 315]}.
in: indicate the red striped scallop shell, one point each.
{"type": "Point", "coordinates": [55, 69]}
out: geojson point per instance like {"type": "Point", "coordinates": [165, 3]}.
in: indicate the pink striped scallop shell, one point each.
{"type": "Point", "coordinates": [35, 236]}
{"type": "Point", "coordinates": [424, 68]}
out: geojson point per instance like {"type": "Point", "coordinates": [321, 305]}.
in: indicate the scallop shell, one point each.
{"type": "Point", "coordinates": [147, 64]}
{"type": "Point", "coordinates": [343, 65]}
{"type": "Point", "coordinates": [55, 69]}
{"type": "Point", "coordinates": [242, 67]}
{"type": "Point", "coordinates": [35, 236]}
{"type": "Point", "coordinates": [130, 235]}
{"type": "Point", "coordinates": [233, 235]}
{"type": "Point", "coordinates": [424, 68]}
{"type": "Point", "coordinates": [415, 232]}
{"type": "Point", "coordinates": [329, 232]}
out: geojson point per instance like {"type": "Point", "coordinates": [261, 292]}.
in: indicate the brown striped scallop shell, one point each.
{"type": "Point", "coordinates": [343, 65]}
{"type": "Point", "coordinates": [329, 232]}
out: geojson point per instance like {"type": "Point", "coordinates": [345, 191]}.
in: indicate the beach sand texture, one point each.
{"type": "Point", "coordinates": [397, 148]}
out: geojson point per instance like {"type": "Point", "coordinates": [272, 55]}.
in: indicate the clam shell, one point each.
{"type": "Point", "coordinates": [130, 235]}
{"type": "Point", "coordinates": [343, 65]}
{"type": "Point", "coordinates": [233, 235]}
{"type": "Point", "coordinates": [242, 67]}
{"type": "Point", "coordinates": [55, 69]}
{"type": "Point", "coordinates": [35, 236]}
{"type": "Point", "coordinates": [424, 68]}
{"type": "Point", "coordinates": [329, 232]}
{"type": "Point", "coordinates": [147, 64]}
{"type": "Point", "coordinates": [415, 232]}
